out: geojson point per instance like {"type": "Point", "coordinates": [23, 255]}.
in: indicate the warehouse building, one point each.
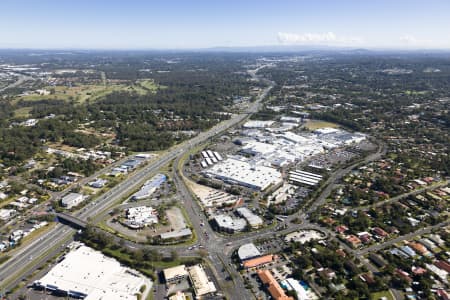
{"type": "Point", "coordinates": [85, 273]}
{"type": "Point", "coordinates": [149, 187]}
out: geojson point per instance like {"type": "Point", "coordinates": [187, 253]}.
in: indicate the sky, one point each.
{"type": "Point", "coordinates": [188, 24]}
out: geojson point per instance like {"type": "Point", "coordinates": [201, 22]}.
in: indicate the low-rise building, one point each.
{"type": "Point", "coordinates": [202, 285]}
{"type": "Point", "coordinates": [228, 224]}
{"type": "Point", "coordinates": [353, 240]}
{"type": "Point", "coordinates": [182, 233]}
{"type": "Point", "coordinates": [72, 200]}
{"type": "Point", "coordinates": [6, 214]}
{"type": "Point", "coordinates": [258, 261]}
{"type": "Point", "coordinates": [149, 187]}
{"type": "Point", "coordinates": [248, 251]}
{"type": "Point", "coordinates": [175, 274]}
{"type": "Point", "coordinates": [98, 184]}
{"type": "Point", "coordinates": [85, 273]}
{"type": "Point", "coordinates": [272, 285]}
{"type": "Point", "coordinates": [253, 220]}
{"type": "Point", "coordinates": [141, 216]}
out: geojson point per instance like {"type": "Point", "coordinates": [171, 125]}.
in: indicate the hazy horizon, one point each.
{"type": "Point", "coordinates": [179, 25]}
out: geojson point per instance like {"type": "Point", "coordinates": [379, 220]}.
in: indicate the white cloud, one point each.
{"type": "Point", "coordinates": [315, 38]}
{"type": "Point", "coordinates": [408, 39]}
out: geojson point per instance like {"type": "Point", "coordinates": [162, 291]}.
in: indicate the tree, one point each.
{"type": "Point", "coordinates": [203, 253]}
{"type": "Point", "coordinates": [174, 255]}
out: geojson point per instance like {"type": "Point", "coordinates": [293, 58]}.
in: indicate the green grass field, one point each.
{"type": "Point", "coordinates": [92, 92]}
{"type": "Point", "coordinates": [23, 112]}
{"type": "Point", "coordinates": [379, 295]}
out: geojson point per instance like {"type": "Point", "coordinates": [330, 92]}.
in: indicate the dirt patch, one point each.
{"type": "Point", "coordinates": [316, 124]}
{"type": "Point", "coordinates": [176, 218]}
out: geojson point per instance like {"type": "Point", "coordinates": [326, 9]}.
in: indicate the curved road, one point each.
{"type": "Point", "coordinates": [13, 270]}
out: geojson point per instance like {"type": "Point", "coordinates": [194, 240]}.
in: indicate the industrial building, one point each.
{"type": "Point", "coordinates": [235, 171]}
{"type": "Point", "coordinates": [149, 187]}
{"type": "Point", "coordinates": [85, 273]}
{"type": "Point", "coordinates": [71, 200]}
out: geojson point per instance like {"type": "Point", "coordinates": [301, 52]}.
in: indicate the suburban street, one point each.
{"type": "Point", "coordinates": [33, 254]}
{"type": "Point", "coordinates": [219, 247]}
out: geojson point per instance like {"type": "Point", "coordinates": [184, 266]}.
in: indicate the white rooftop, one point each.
{"type": "Point", "coordinates": [258, 124]}
{"type": "Point", "coordinates": [225, 221]}
{"type": "Point", "coordinates": [202, 285]}
{"type": "Point", "coordinates": [175, 272]}
{"type": "Point", "coordinates": [244, 173]}
{"type": "Point", "coordinates": [89, 272]}
{"type": "Point", "coordinates": [248, 251]}
{"type": "Point", "coordinates": [252, 219]}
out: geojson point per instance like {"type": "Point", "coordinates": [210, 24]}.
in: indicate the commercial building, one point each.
{"type": "Point", "coordinates": [258, 261]}
{"type": "Point", "coordinates": [228, 224]}
{"type": "Point", "coordinates": [71, 200]}
{"type": "Point", "coordinates": [175, 274]}
{"type": "Point", "coordinates": [202, 285]}
{"type": "Point", "coordinates": [235, 171]}
{"type": "Point", "coordinates": [248, 251]}
{"type": "Point", "coordinates": [258, 124]}
{"type": "Point", "coordinates": [272, 285]}
{"type": "Point", "coordinates": [253, 220]}
{"type": "Point", "coordinates": [185, 232]}
{"type": "Point", "coordinates": [88, 274]}
{"type": "Point", "coordinates": [149, 187]}
{"type": "Point", "coordinates": [304, 178]}
{"type": "Point", "coordinates": [216, 198]}
{"type": "Point", "coordinates": [141, 216]}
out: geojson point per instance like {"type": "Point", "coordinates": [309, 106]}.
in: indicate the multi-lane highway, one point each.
{"type": "Point", "coordinates": [34, 253]}
{"type": "Point", "coordinates": [219, 247]}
